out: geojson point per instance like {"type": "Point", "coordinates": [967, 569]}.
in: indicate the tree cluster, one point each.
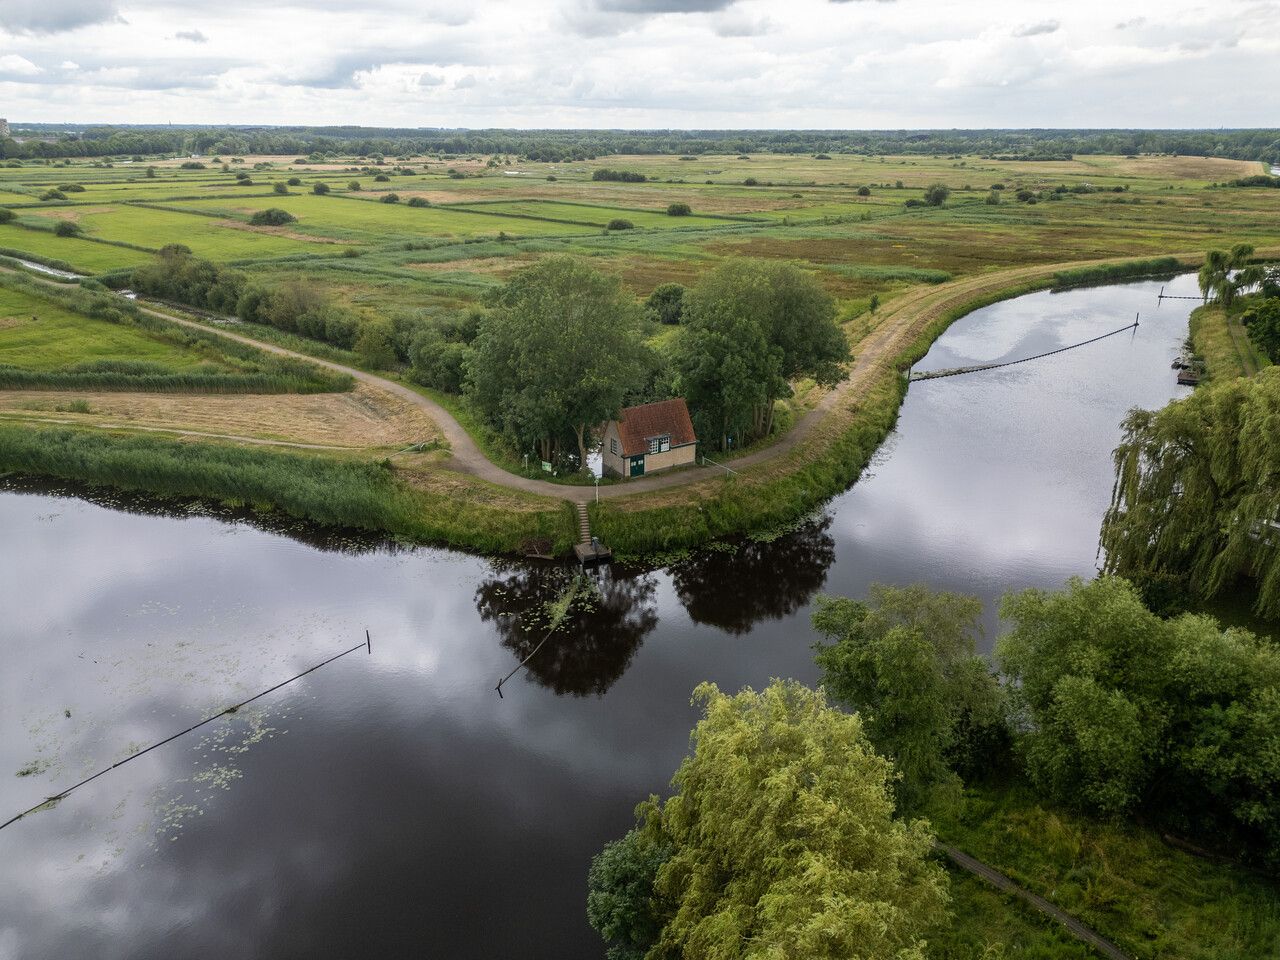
{"type": "Point", "coordinates": [1115, 711]}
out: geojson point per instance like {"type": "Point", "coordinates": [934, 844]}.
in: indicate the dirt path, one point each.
{"type": "Point", "coordinates": [1077, 929]}
{"type": "Point", "coordinates": [900, 322]}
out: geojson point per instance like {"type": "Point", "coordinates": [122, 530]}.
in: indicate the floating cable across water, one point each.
{"type": "Point", "coordinates": [956, 371]}
{"type": "Point", "coordinates": [366, 646]}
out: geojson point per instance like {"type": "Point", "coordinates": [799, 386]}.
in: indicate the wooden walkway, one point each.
{"type": "Point", "coordinates": [1080, 931]}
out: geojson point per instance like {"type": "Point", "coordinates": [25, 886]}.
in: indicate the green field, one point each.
{"type": "Point", "coordinates": [83, 255]}
{"type": "Point", "coordinates": [38, 335]}
{"type": "Point", "coordinates": [579, 213]}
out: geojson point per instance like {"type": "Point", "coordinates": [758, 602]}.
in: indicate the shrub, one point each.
{"type": "Point", "coordinates": [913, 203]}
{"type": "Point", "coordinates": [53, 195]}
{"type": "Point", "coordinates": [279, 188]}
{"type": "Point", "coordinates": [1025, 196]}
{"type": "Point", "coordinates": [418, 202]}
{"type": "Point", "coordinates": [193, 165]}
{"type": "Point", "coordinates": [679, 210]}
{"type": "Point", "coordinates": [353, 185]}
{"type": "Point", "coordinates": [389, 198]}
{"type": "Point", "coordinates": [864, 191]}
{"type": "Point", "coordinates": [621, 176]}
{"type": "Point", "coordinates": [551, 177]}
{"type": "Point", "coordinates": [935, 195]}
{"type": "Point", "coordinates": [320, 189]}
{"type": "Point", "coordinates": [620, 224]}
{"type": "Point", "coordinates": [993, 198]}
{"type": "Point", "coordinates": [751, 182]}
{"type": "Point", "coordinates": [67, 228]}
{"type": "Point", "coordinates": [6, 214]}
{"type": "Point", "coordinates": [244, 182]}
{"type": "Point", "coordinates": [70, 188]}
{"type": "Point", "coordinates": [382, 178]}
{"type": "Point", "coordinates": [272, 217]}
{"type": "Point", "coordinates": [295, 181]}
{"type": "Point", "coordinates": [241, 175]}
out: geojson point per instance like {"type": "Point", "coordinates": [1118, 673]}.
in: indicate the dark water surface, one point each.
{"type": "Point", "coordinates": [392, 805]}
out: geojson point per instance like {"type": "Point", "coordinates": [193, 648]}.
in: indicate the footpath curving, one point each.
{"type": "Point", "coordinates": [900, 323]}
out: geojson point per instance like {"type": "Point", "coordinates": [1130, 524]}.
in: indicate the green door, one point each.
{"type": "Point", "coordinates": [637, 466]}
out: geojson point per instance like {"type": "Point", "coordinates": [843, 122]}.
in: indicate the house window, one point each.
{"type": "Point", "coordinates": [659, 444]}
{"type": "Point", "coordinates": [613, 445]}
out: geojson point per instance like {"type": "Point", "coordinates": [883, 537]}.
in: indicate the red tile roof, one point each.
{"type": "Point", "coordinates": [661, 419]}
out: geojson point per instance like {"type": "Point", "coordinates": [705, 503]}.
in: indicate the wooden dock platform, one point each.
{"type": "Point", "coordinates": [588, 549]}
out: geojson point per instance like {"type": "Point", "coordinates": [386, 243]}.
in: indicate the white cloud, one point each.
{"type": "Point", "coordinates": [644, 63]}
{"type": "Point", "coordinates": [17, 66]}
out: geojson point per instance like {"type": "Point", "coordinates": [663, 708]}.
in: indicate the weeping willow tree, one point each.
{"type": "Point", "coordinates": [1197, 491]}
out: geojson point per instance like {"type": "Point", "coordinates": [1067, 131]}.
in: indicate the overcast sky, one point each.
{"type": "Point", "coordinates": [643, 63]}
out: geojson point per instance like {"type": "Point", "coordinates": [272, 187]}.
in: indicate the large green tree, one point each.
{"type": "Point", "coordinates": [1197, 491]}
{"type": "Point", "coordinates": [557, 354]}
{"type": "Point", "coordinates": [750, 328]}
{"type": "Point", "coordinates": [906, 661]}
{"type": "Point", "coordinates": [783, 840]}
{"type": "Point", "coordinates": [1117, 709]}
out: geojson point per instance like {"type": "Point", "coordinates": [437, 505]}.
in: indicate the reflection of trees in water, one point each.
{"type": "Point", "coordinates": [596, 641]}
{"type": "Point", "coordinates": [734, 590]}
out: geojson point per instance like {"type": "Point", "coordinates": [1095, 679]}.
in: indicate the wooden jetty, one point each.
{"type": "Point", "coordinates": [588, 549]}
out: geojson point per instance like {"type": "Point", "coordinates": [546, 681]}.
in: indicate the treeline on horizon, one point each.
{"type": "Point", "coordinates": [67, 140]}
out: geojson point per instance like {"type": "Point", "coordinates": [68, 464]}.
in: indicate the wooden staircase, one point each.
{"type": "Point", "coordinates": [586, 549]}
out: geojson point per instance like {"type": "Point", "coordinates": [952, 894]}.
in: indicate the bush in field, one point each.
{"type": "Point", "coordinates": [320, 189]}
{"type": "Point", "coordinates": [666, 303]}
{"type": "Point", "coordinates": [193, 165]}
{"type": "Point", "coordinates": [679, 210]}
{"type": "Point", "coordinates": [864, 191]}
{"type": "Point", "coordinates": [353, 185]}
{"type": "Point", "coordinates": [418, 202]}
{"type": "Point", "coordinates": [241, 175]}
{"type": "Point", "coordinates": [1263, 323]}
{"type": "Point", "coordinates": [993, 198]}
{"type": "Point", "coordinates": [751, 182]}
{"type": "Point", "coordinates": [298, 307]}
{"type": "Point", "coordinates": [245, 182]}
{"type": "Point", "coordinates": [621, 176]}
{"type": "Point", "coordinates": [53, 195]}
{"type": "Point", "coordinates": [389, 198]}
{"type": "Point", "coordinates": [620, 224]}
{"type": "Point", "coordinates": [177, 275]}
{"type": "Point", "coordinates": [1025, 196]}
{"type": "Point", "coordinates": [70, 188]}
{"type": "Point", "coordinates": [151, 173]}
{"type": "Point", "coordinates": [6, 214]}
{"type": "Point", "coordinates": [67, 228]}
{"type": "Point", "coordinates": [295, 181]}
{"type": "Point", "coordinates": [272, 217]}
{"type": "Point", "coordinates": [278, 187]}
{"type": "Point", "coordinates": [913, 202]}
{"type": "Point", "coordinates": [935, 195]}
{"type": "Point", "coordinates": [382, 178]}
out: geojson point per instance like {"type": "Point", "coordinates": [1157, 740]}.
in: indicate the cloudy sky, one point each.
{"type": "Point", "coordinates": [643, 63]}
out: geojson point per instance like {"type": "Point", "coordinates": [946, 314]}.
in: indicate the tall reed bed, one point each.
{"type": "Point", "coordinates": [339, 493]}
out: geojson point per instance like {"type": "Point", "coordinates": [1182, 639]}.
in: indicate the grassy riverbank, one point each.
{"type": "Point", "coordinates": [340, 493]}
{"type": "Point", "coordinates": [1218, 335]}
{"type": "Point", "coordinates": [1151, 899]}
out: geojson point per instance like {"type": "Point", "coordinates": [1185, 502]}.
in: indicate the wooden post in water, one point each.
{"type": "Point", "coordinates": [368, 643]}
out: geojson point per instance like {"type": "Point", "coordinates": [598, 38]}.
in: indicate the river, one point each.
{"type": "Point", "coordinates": [392, 805]}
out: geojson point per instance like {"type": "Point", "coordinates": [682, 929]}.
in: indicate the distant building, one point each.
{"type": "Point", "coordinates": [648, 438]}
{"type": "Point", "coordinates": [4, 129]}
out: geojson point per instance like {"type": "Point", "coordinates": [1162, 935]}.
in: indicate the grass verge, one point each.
{"type": "Point", "coordinates": [1219, 337]}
